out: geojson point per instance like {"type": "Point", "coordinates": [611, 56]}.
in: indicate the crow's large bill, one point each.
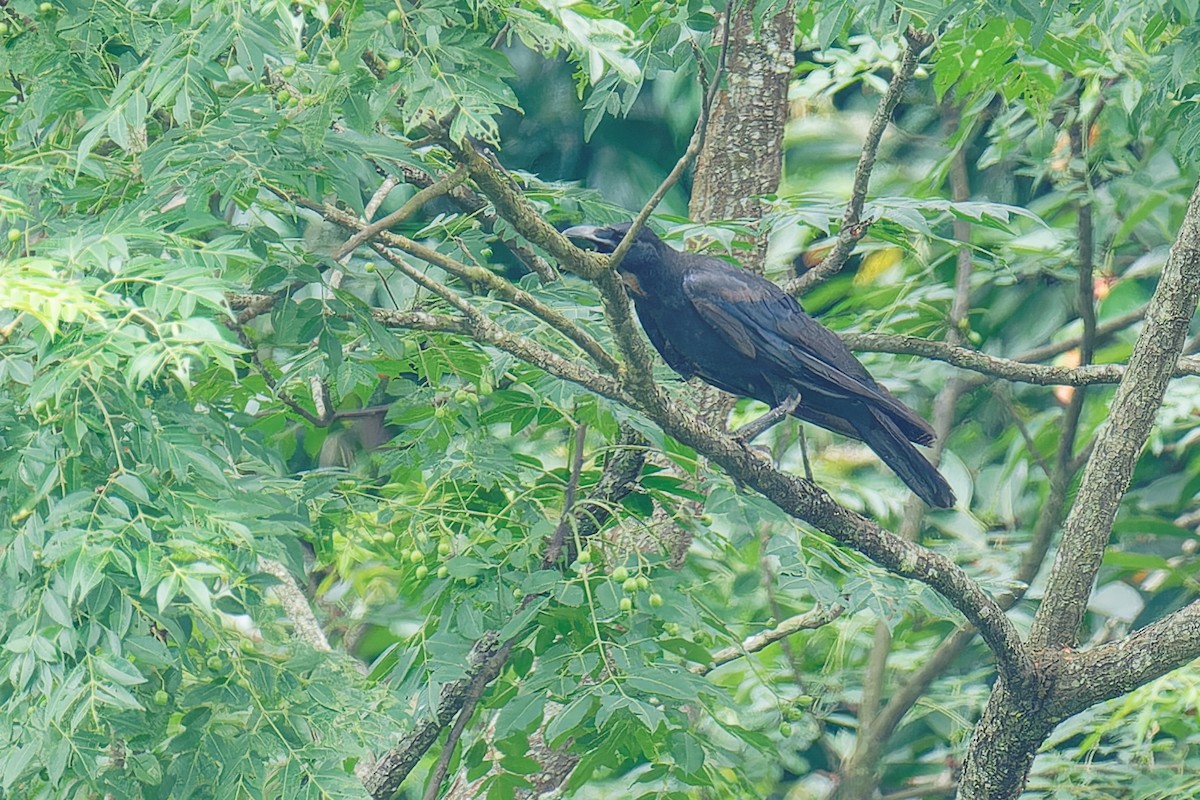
{"type": "Point", "coordinates": [742, 333]}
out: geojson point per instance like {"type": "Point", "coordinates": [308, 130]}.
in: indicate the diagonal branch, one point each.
{"type": "Point", "coordinates": [1120, 442]}
{"type": "Point", "coordinates": [412, 206]}
{"type": "Point", "coordinates": [809, 620]}
{"type": "Point", "coordinates": [480, 277]}
{"type": "Point", "coordinates": [853, 227]}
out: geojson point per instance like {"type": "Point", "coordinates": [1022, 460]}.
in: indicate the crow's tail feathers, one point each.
{"type": "Point", "coordinates": [883, 436]}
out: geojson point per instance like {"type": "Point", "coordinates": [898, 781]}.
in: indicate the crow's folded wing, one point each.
{"type": "Point", "coordinates": [764, 323]}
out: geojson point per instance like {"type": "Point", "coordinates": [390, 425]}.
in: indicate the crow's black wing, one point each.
{"type": "Point", "coordinates": [764, 323]}
{"type": "Point", "coordinates": [675, 360]}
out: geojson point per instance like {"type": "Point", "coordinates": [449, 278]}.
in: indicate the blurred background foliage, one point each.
{"type": "Point", "coordinates": [152, 456]}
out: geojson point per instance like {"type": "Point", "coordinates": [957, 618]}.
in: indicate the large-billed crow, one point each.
{"type": "Point", "coordinates": [742, 333]}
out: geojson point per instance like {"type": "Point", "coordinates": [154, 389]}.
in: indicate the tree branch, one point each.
{"type": "Point", "coordinates": [483, 330]}
{"type": "Point", "coordinates": [1006, 368]}
{"type": "Point", "coordinates": [478, 276]}
{"type": "Point", "coordinates": [1118, 446]}
{"type": "Point", "coordinates": [809, 620]}
{"type": "Point", "coordinates": [1102, 673]}
{"type": "Point", "coordinates": [853, 228]}
{"type": "Point", "coordinates": [412, 206]}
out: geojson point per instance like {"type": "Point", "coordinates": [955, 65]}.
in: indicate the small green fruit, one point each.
{"type": "Point", "coordinates": [214, 663]}
{"type": "Point", "coordinates": [416, 556]}
{"type": "Point", "coordinates": [585, 556]}
{"type": "Point", "coordinates": [626, 604]}
{"type": "Point", "coordinates": [3, 28]}
{"type": "Point", "coordinates": [620, 574]}
{"type": "Point", "coordinates": [519, 593]}
{"type": "Point", "coordinates": [643, 582]}
{"type": "Point", "coordinates": [443, 549]}
{"type": "Point", "coordinates": [282, 96]}
{"type": "Point", "coordinates": [370, 266]}
{"type": "Point", "coordinates": [629, 585]}
{"type": "Point", "coordinates": [804, 701]}
{"type": "Point", "coordinates": [443, 572]}
{"type": "Point", "coordinates": [656, 600]}
{"type": "Point", "coordinates": [785, 729]}
{"type": "Point", "coordinates": [388, 537]}
{"type": "Point", "coordinates": [301, 57]}
{"type": "Point", "coordinates": [395, 16]}
{"type": "Point", "coordinates": [161, 698]}
{"type": "Point", "coordinates": [393, 64]}
{"type": "Point", "coordinates": [472, 580]}
{"type": "Point", "coordinates": [288, 70]}
{"type": "Point", "coordinates": [422, 571]}
{"type": "Point", "coordinates": [14, 235]}
{"type": "Point", "coordinates": [334, 66]}
{"type": "Point", "coordinates": [46, 8]}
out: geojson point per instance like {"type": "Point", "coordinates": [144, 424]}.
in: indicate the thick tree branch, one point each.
{"type": "Point", "coordinates": [1120, 442]}
{"type": "Point", "coordinates": [1102, 673]}
{"type": "Point", "coordinates": [853, 227]}
{"type": "Point", "coordinates": [802, 500]}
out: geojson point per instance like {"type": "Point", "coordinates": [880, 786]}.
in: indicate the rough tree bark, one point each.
{"type": "Point", "coordinates": [742, 157]}
{"type": "Point", "coordinates": [1014, 724]}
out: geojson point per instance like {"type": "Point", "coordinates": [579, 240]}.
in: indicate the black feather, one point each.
{"type": "Point", "coordinates": [743, 334]}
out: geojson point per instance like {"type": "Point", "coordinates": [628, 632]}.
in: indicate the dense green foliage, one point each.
{"type": "Point", "coordinates": [152, 449]}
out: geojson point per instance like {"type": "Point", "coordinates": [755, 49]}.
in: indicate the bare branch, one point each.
{"type": "Point", "coordinates": [1006, 368]}
{"type": "Point", "coordinates": [853, 227]}
{"type": "Point", "coordinates": [809, 620]}
{"type": "Point", "coordinates": [412, 206]}
{"type": "Point", "coordinates": [1118, 446]}
{"type": "Point", "coordinates": [481, 277]}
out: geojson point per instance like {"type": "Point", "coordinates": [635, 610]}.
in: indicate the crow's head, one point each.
{"type": "Point", "coordinates": [642, 259]}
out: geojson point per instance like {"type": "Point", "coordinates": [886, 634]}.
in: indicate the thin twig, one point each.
{"type": "Point", "coordinates": [480, 277]}
{"type": "Point", "coordinates": [689, 155]}
{"type": "Point", "coordinates": [809, 620]}
{"type": "Point", "coordinates": [554, 549]}
{"type": "Point", "coordinates": [1030, 445]}
{"type": "Point", "coordinates": [853, 227]}
{"type": "Point", "coordinates": [412, 206]}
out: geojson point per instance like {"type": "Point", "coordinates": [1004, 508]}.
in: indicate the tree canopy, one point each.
{"type": "Point", "coordinates": [329, 468]}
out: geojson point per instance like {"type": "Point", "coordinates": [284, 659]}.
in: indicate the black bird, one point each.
{"type": "Point", "coordinates": [745, 335]}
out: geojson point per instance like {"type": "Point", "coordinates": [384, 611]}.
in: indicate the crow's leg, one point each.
{"type": "Point", "coordinates": [752, 430]}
